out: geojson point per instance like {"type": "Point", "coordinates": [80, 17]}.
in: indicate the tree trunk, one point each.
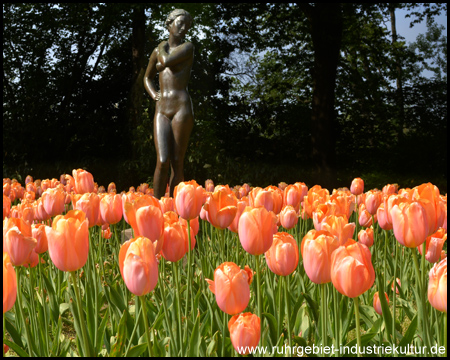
{"type": "Point", "coordinates": [138, 60]}
{"type": "Point", "coordinates": [326, 31]}
{"type": "Point", "coordinates": [399, 95]}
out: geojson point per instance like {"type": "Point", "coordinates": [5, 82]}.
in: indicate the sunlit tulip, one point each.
{"type": "Point", "coordinates": [434, 245]}
{"type": "Point", "coordinates": [221, 208]}
{"type": "Point", "coordinates": [89, 203]}
{"type": "Point", "coordinates": [188, 199]}
{"type": "Point", "coordinates": [390, 189]}
{"type": "Point", "coordinates": [282, 257]}
{"type": "Point", "coordinates": [150, 224]}
{"type": "Point", "coordinates": [241, 205]}
{"type": "Point", "coordinates": [288, 217]}
{"type": "Point", "coordinates": [68, 240]}
{"type": "Point", "coordinates": [270, 198]}
{"type": "Point", "coordinates": [39, 212]}
{"type": "Point", "coordinates": [175, 244]}
{"type": "Point", "coordinates": [138, 265]}
{"type": "Point", "coordinates": [84, 181]}
{"type": "Point", "coordinates": [245, 331]}
{"type": "Point", "coordinates": [365, 236]}
{"type": "Point", "coordinates": [317, 248]}
{"type": "Point", "coordinates": [6, 206]}
{"type": "Point", "coordinates": [166, 204]}
{"type": "Point", "coordinates": [339, 227]}
{"type": "Point", "coordinates": [316, 195]}
{"type": "Point", "coordinates": [428, 195]}
{"type": "Point", "coordinates": [17, 240]}
{"type": "Point", "coordinates": [320, 213]}
{"type": "Point", "coordinates": [357, 186]}
{"type": "Point", "coordinates": [352, 271]}
{"type": "Point", "coordinates": [231, 286]}
{"type": "Point", "coordinates": [410, 223]}
{"type": "Point", "coordinates": [377, 302]}
{"type": "Point", "coordinates": [373, 200]}
{"type": "Point", "coordinates": [343, 203]}
{"type": "Point", "coordinates": [256, 229]}
{"type": "Point", "coordinates": [111, 208]}
{"type": "Point", "coordinates": [9, 284]}
{"type": "Point", "coordinates": [437, 286]}
{"type": "Point", "coordinates": [382, 217]}
{"type": "Point", "coordinates": [291, 196]}
{"type": "Point", "coordinates": [38, 232]}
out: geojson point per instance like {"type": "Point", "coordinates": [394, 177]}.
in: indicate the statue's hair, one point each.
{"type": "Point", "coordinates": [177, 12]}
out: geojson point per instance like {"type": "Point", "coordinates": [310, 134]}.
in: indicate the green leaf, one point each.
{"type": "Point", "coordinates": [272, 327]}
{"type": "Point", "coordinates": [387, 316]}
{"type": "Point", "coordinates": [21, 352]}
{"type": "Point", "coordinates": [409, 334]}
{"type": "Point", "coordinates": [194, 341]}
{"type": "Point", "coordinates": [101, 332]}
{"type": "Point", "coordinates": [54, 305]}
{"type": "Point", "coordinates": [119, 346]}
{"type": "Point", "coordinates": [137, 350]}
{"type": "Point", "coordinates": [13, 332]}
{"type": "Point", "coordinates": [313, 307]}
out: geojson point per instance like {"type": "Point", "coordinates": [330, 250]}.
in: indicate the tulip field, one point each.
{"type": "Point", "coordinates": [286, 270]}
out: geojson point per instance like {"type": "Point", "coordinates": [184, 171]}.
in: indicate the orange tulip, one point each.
{"type": "Point", "coordinates": [428, 195]}
{"type": "Point", "coordinates": [343, 202]}
{"type": "Point", "coordinates": [241, 205]}
{"type": "Point", "coordinates": [256, 229]}
{"type": "Point", "coordinates": [390, 189]}
{"type": "Point", "coordinates": [6, 206]}
{"type": "Point", "coordinates": [288, 217]}
{"type": "Point", "coordinates": [373, 200]}
{"type": "Point", "coordinates": [231, 286]}
{"type": "Point", "coordinates": [83, 181]}
{"type": "Point", "coordinates": [221, 208]}
{"type": "Point", "coordinates": [365, 236]}
{"type": "Point", "coordinates": [410, 223]}
{"type": "Point", "coordinates": [175, 244]}
{"type": "Point", "coordinates": [38, 232]}
{"type": "Point", "coordinates": [9, 284]}
{"type": "Point", "coordinates": [382, 217]}
{"type": "Point", "coordinates": [111, 208]}
{"type": "Point", "coordinates": [316, 195]}
{"type": "Point", "coordinates": [317, 248]}
{"type": "Point", "coordinates": [245, 331]}
{"type": "Point", "coordinates": [89, 203]}
{"type": "Point", "coordinates": [339, 227]}
{"type": "Point", "coordinates": [352, 271]}
{"type": "Point", "coordinates": [357, 186]}
{"type": "Point", "coordinates": [138, 265]}
{"type": "Point", "coordinates": [270, 198]}
{"type": "Point", "coordinates": [188, 198]}
{"type": "Point", "coordinates": [166, 204]}
{"type": "Point", "coordinates": [437, 286]}
{"type": "Point", "coordinates": [434, 245]}
{"type": "Point", "coordinates": [53, 201]}
{"type": "Point", "coordinates": [282, 257]}
{"type": "Point", "coordinates": [39, 212]}
{"type": "Point", "coordinates": [365, 218]}
{"type": "Point", "coordinates": [377, 302]}
{"type": "Point", "coordinates": [150, 224]}
{"type": "Point", "coordinates": [17, 240]}
{"type": "Point", "coordinates": [68, 240]}
{"type": "Point", "coordinates": [291, 196]}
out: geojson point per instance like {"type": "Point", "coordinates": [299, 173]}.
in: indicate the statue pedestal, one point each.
{"type": "Point", "coordinates": [126, 235]}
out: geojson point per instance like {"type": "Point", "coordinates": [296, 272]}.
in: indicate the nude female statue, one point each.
{"type": "Point", "coordinates": [174, 117]}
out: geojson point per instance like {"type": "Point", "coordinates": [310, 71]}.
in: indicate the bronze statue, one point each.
{"type": "Point", "coordinates": [174, 117]}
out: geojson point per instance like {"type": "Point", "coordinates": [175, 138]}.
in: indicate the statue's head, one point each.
{"type": "Point", "coordinates": [177, 12]}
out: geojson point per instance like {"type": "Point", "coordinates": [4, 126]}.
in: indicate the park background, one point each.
{"type": "Point", "coordinates": [317, 93]}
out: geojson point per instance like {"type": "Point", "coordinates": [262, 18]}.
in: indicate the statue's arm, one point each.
{"type": "Point", "coordinates": [150, 74]}
{"type": "Point", "coordinates": [177, 55]}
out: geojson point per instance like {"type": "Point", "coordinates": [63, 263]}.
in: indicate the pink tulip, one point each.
{"type": "Point", "coordinates": [9, 284]}
{"type": "Point", "coordinates": [410, 223]}
{"type": "Point", "coordinates": [377, 303]}
{"type": "Point", "coordinates": [434, 245]}
{"type": "Point", "coordinates": [357, 186]}
{"type": "Point", "coordinates": [365, 236]}
{"type": "Point", "coordinates": [138, 265]}
{"type": "Point", "coordinates": [83, 181]}
{"type": "Point", "coordinates": [188, 198]}
{"type": "Point", "coordinates": [437, 286]}
{"type": "Point", "coordinates": [111, 208]}
{"type": "Point", "coordinates": [288, 217]}
{"type": "Point", "coordinates": [53, 201]}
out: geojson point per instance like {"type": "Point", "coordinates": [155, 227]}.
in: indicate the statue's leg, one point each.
{"type": "Point", "coordinates": [162, 133]}
{"type": "Point", "coordinates": [182, 125]}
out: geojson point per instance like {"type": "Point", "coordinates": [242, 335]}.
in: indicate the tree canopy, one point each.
{"type": "Point", "coordinates": [281, 92]}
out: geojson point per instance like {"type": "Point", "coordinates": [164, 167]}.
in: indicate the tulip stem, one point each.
{"type": "Point", "coordinates": [147, 332]}
{"type": "Point", "coordinates": [137, 316]}
{"type": "Point", "coordinates": [394, 295]}
{"type": "Point", "coordinates": [288, 309]}
{"type": "Point", "coordinates": [166, 314]}
{"type": "Point", "coordinates": [445, 334]}
{"type": "Point", "coordinates": [87, 349]}
{"type": "Point", "coordinates": [323, 315]}
{"type": "Point", "coordinates": [358, 334]}
{"type": "Point", "coordinates": [177, 284]}
{"type": "Point", "coordinates": [258, 295]}
{"type": "Point", "coordinates": [20, 306]}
